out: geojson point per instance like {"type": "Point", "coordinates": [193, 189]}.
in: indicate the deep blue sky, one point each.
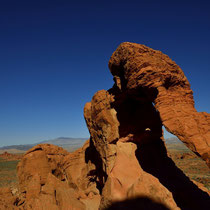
{"type": "Point", "coordinates": [54, 56]}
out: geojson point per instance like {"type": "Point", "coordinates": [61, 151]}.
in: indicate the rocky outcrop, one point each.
{"type": "Point", "coordinates": [125, 125]}
{"type": "Point", "coordinates": [9, 156]}
{"type": "Point", "coordinates": [124, 164]}
{"type": "Point", "coordinates": [52, 178]}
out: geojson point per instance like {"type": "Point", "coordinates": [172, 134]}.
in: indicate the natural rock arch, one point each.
{"type": "Point", "coordinates": [164, 83]}
{"type": "Point", "coordinates": [126, 121]}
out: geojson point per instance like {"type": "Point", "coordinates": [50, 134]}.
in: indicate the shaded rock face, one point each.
{"type": "Point", "coordinates": [124, 164]}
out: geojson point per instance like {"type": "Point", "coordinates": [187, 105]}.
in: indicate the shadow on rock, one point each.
{"type": "Point", "coordinates": [154, 160]}
{"type": "Point", "coordinates": [143, 203]}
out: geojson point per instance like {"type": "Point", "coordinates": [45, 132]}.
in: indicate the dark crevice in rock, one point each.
{"type": "Point", "coordinates": [57, 173]}
{"type": "Point", "coordinates": [138, 118]}
{"type": "Point", "coordinates": [36, 149]}
{"type": "Point", "coordinates": [55, 194]}
{"type": "Point", "coordinates": [98, 175]}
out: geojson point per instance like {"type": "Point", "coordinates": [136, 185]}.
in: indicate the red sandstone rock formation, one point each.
{"type": "Point", "coordinates": [126, 121]}
{"type": "Point", "coordinates": [9, 156]}
{"type": "Point", "coordinates": [52, 178]}
{"type": "Point", "coordinates": [163, 82]}
{"type": "Point", "coordinates": [125, 164]}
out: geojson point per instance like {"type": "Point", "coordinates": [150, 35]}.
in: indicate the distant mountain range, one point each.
{"type": "Point", "coordinates": [173, 140]}
{"type": "Point", "coordinates": [67, 143]}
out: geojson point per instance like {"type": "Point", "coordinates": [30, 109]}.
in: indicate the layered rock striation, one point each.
{"type": "Point", "coordinates": [124, 164]}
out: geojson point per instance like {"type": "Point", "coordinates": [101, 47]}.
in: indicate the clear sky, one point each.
{"type": "Point", "coordinates": [54, 56]}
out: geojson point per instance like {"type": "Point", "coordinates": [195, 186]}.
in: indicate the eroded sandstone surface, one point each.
{"type": "Point", "coordinates": [163, 82]}
{"type": "Point", "coordinates": [124, 164]}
